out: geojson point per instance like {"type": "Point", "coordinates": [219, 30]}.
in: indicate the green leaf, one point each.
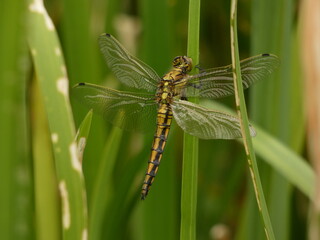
{"type": "Point", "coordinates": [51, 72]}
{"type": "Point", "coordinates": [16, 190]}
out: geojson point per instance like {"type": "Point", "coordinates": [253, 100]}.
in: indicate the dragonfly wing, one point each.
{"type": "Point", "coordinates": [130, 111]}
{"type": "Point", "coordinates": [218, 82]}
{"type": "Point", "coordinates": [206, 124]}
{"type": "Point", "coordinates": [128, 69]}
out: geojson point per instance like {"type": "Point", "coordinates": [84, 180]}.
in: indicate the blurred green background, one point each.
{"type": "Point", "coordinates": [114, 161]}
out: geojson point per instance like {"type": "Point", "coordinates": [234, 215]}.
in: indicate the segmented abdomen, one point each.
{"type": "Point", "coordinates": [164, 119]}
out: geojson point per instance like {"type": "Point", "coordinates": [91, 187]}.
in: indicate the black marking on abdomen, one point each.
{"type": "Point", "coordinates": [155, 159]}
{"type": "Point", "coordinates": [158, 150]}
{"type": "Point", "coordinates": [161, 137]}
{"type": "Point", "coordinates": [152, 173]}
{"type": "Point", "coordinates": [166, 126]}
{"type": "Point", "coordinates": [156, 163]}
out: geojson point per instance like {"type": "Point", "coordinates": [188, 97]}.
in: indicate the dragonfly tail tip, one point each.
{"type": "Point", "coordinates": [144, 194]}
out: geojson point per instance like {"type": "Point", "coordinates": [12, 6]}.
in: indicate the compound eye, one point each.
{"type": "Point", "coordinates": [176, 61]}
{"type": "Point", "coordinates": [187, 63]}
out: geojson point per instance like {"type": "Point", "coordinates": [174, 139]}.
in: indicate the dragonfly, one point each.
{"type": "Point", "coordinates": [160, 99]}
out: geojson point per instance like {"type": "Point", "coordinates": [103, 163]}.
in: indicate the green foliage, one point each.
{"type": "Point", "coordinates": [190, 143]}
{"type": "Point", "coordinates": [50, 72]}
{"type": "Point", "coordinates": [16, 190]}
{"type": "Point", "coordinates": [243, 116]}
{"type": "Point", "coordinates": [43, 193]}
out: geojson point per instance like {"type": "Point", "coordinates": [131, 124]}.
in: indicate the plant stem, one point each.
{"type": "Point", "coordinates": [242, 112]}
{"type": "Point", "coordinates": [190, 146]}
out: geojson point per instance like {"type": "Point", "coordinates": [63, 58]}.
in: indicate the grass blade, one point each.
{"type": "Point", "coordinates": [16, 190]}
{"type": "Point", "coordinates": [292, 166]}
{"type": "Point", "coordinates": [47, 204]}
{"type": "Point", "coordinates": [51, 73]}
{"type": "Point", "coordinates": [242, 112]}
{"type": "Point", "coordinates": [190, 143]}
{"type": "Point", "coordinates": [83, 134]}
{"type": "Point", "coordinates": [277, 103]}
{"type": "Point", "coordinates": [102, 191]}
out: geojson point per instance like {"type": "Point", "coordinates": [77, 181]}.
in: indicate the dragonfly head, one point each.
{"type": "Point", "coordinates": [182, 62]}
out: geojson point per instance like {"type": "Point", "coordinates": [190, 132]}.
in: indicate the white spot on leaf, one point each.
{"type": "Point", "coordinates": [84, 234]}
{"type": "Point", "coordinates": [49, 23]}
{"type": "Point", "coordinates": [54, 137]}
{"type": "Point", "coordinates": [66, 218]}
{"type": "Point", "coordinates": [62, 86]}
{"type": "Point", "coordinates": [74, 157]}
{"type": "Point", "coordinates": [38, 7]}
{"type": "Point", "coordinates": [57, 51]}
{"type": "Point", "coordinates": [64, 70]}
{"type": "Point", "coordinates": [81, 145]}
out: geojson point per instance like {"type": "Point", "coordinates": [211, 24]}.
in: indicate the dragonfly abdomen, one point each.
{"type": "Point", "coordinates": [164, 119]}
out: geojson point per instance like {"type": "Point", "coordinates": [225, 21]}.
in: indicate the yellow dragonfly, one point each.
{"type": "Point", "coordinates": [167, 98]}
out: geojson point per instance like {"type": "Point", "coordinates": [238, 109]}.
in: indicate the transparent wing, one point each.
{"type": "Point", "coordinates": [130, 111]}
{"type": "Point", "coordinates": [218, 82]}
{"type": "Point", "coordinates": [128, 69]}
{"type": "Point", "coordinates": [206, 124]}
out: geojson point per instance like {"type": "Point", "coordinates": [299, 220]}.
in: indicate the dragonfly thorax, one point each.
{"type": "Point", "coordinates": [172, 82]}
{"type": "Point", "coordinates": [165, 91]}
{"type": "Point", "coordinates": [183, 63]}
